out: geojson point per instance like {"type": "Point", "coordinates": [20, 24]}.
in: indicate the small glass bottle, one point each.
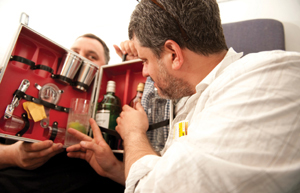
{"type": "Point", "coordinates": [156, 113]}
{"type": "Point", "coordinates": [108, 110]}
{"type": "Point", "coordinates": [138, 96]}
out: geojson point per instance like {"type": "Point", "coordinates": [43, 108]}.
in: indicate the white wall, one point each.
{"type": "Point", "coordinates": [64, 20]}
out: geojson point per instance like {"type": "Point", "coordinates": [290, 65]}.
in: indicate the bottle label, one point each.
{"type": "Point", "coordinates": [102, 118]}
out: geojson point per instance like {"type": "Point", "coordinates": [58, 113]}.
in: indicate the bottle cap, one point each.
{"type": "Point", "coordinates": [140, 87]}
{"type": "Point", "coordinates": [111, 86]}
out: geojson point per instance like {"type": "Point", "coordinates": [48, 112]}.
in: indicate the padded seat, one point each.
{"type": "Point", "coordinates": [254, 35]}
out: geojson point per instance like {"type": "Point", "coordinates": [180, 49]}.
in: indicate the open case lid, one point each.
{"type": "Point", "coordinates": [127, 76]}
{"type": "Point", "coordinates": [37, 59]}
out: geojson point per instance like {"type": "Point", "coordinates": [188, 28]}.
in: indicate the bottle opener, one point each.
{"type": "Point", "coordinates": [15, 101]}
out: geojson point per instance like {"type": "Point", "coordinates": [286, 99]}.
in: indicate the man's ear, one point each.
{"type": "Point", "coordinates": [175, 52]}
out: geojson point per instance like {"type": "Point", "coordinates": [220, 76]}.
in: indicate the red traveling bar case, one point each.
{"type": "Point", "coordinates": [33, 71]}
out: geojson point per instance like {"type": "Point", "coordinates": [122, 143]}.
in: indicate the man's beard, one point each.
{"type": "Point", "coordinates": [171, 87]}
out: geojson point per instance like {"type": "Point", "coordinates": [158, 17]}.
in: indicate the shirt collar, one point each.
{"type": "Point", "coordinates": [230, 57]}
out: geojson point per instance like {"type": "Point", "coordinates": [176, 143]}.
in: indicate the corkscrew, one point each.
{"type": "Point", "coordinates": [15, 101]}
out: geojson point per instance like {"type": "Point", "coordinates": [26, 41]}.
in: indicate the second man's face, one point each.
{"type": "Point", "coordinates": [168, 85]}
{"type": "Point", "coordinates": [155, 69]}
{"type": "Point", "coordinates": [90, 49]}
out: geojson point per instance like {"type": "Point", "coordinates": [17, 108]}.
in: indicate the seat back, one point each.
{"type": "Point", "coordinates": [254, 35]}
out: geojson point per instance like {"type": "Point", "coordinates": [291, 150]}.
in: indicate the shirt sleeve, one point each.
{"type": "Point", "coordinates": [138, 170]}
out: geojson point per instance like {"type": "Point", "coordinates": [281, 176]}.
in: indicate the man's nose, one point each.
{"type": "Point", "coordinates": [81, 53]}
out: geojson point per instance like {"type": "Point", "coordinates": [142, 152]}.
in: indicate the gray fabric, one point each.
{"type": "Point", "coordinates": [255, 35]}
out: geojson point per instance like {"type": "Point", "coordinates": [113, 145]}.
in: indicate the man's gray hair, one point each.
{"type": "Point", "coordinates": [200, 19]}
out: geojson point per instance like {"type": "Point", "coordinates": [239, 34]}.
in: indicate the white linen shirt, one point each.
{"type": "Point", "coordinates": [243, 134]}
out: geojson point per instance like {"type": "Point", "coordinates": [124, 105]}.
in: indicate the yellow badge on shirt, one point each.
{"type": "Point", "coordinates": [180, 129]}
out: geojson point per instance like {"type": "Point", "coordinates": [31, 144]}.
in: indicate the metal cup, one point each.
{"type": "Point", "coordinates": [68, 68]}
{"type": "Point", "coordinates": [86, 75]}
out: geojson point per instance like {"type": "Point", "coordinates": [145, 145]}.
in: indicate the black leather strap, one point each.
{"type": "Point", "coordinates": [85, 86]}
{"type": "Point", "coordinates": [110, 132]}
{"type": "Point", "coordinates": [151, 127]}
{"type": "Point", "coordinates": [21, 94]}
{"type": "Point", "coordinates": [42, 67]}
{"type": "Point", "coordinates": [31, 64]}
{"type": "Point", "coordinates": [22, 60]}
{"type": "Point", "coordinates": [26, 126]}
{"type": "Point", "coordinates": [63, 78]}
{"type": "Point", "coordinates": [159, 124]}
{"type": "Point", "coordinates": [54, 131]}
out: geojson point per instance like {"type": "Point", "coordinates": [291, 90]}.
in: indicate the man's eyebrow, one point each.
{"type": "Point", "coordinates": [142, 58]}
{"type": "Point", "coordinates": [74, 48]}
{"type": "Point", "coordinates": [89, 51]}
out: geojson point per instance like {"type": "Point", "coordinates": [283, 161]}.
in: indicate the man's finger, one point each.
{"type": "Point", "coordinates": [37, 146]}
{"type": "Point", "coordinates": [75, 147]}
{"type": "Point", "coordinates": [139, 107]}
{"type": "Point", "coordinates": [118, 50]}
{"type": "Point", "coordinates": [96, 130]}
{"type": "Point", "coordinates": [91, 146]}
{"type": "Point", "coordinates": [80, 155]}
{"type": "Point", "coordinates": [126, 107]}
{"type": "Point", "coordinates": [126, 47]}
{"type": "Point", "coordinates": [79, 135]}
{"type": "Point", "coordinates": [133, 49]}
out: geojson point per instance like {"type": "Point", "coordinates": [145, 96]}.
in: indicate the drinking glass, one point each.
{"type": "Point", "coordinates": [79, 115]}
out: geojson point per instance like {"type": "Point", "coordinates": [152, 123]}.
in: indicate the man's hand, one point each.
{"type": "Point", "coordinates": [132, 121]}
{"type": "Point", "coordinates": [128, 48]}
{"type": "Point", "coordinates": [97, 153]}
{"type": "Point", "coordinates": [29, 155]}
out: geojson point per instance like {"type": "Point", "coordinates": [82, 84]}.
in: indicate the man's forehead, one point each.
{"type": "Point", "coordinates": [90, 42]}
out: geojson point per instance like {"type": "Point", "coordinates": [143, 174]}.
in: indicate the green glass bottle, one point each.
{"type": "Point", "coordinates": [108, 110]}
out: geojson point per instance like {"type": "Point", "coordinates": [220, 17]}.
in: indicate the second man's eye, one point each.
{"type": "Point", "coordinates": [144, 62]}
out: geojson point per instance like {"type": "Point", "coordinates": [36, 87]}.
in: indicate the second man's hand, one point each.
{"type": "Point", "coordinates": [97, 153]}
{"type": "Point", "coordinates": [127, 48]}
